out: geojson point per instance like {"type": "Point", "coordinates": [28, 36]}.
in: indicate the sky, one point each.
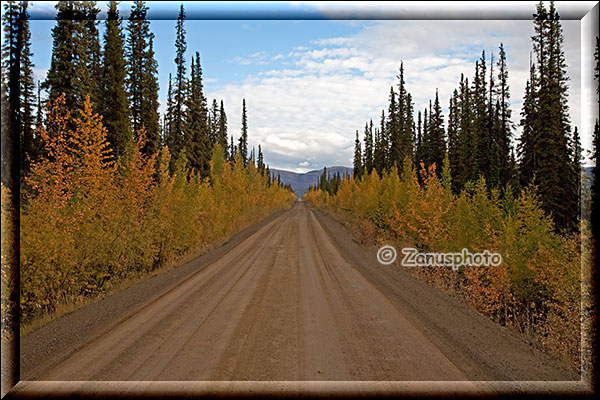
{"type": "Point", "coordinates": [311, 79]}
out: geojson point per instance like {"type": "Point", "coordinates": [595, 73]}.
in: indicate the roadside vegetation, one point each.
{"type": "Point", "coordinates": [111, 190]}
{"type": "Point", "coordinates": [471, 182]}
{"type": "Point", "coordinates": [89, 222]}
{"type": "Point", "coordinates": [536, 291]}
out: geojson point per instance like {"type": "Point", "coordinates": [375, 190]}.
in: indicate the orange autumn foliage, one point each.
{"type": "Point", "coordinates": [89, 221]}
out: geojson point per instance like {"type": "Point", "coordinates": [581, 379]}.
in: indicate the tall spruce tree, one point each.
{"type": "Point", "coordinates": [393, 132]}
{"type": "Point", "coordinates": [75, 67]}
{"type": "Point", "coordinates": [243, 142]}
{"type": "Point", "coordinates": [176, 140]}
{"type": "Point", "coordinates": [222, 136]}
{"type": "Point", "coordinates": [115, 105]}
{"type": "Point", "coordinates": [213, 121]}
{"type": "Point", "coordinates": [168, 118]}
{"type": "Point", "coordinates": [423, 150]}
{"type": "Point", "coordinates": [141, 80]}
{"type": "Point", "coordinates": [493, 128]}
{"type": "Point", "coordinates": [15, 12]}
{"type": "Point", "coordinates": [553, 171]}
{"type": "Point", "coordinates": [260, 163]}
{"type": "Point", "coordinates": [404, 118]}
{"type": "Point", "coordinates": [368, 139]}
{"type": "Point", "coordinates": [89, 69]}
{"type": "Point", "coordinates": [527, 146]}
{"type": "Point", "coordinates": [358, 166]}
{"type": "Point", "coordinates": [232, 149]}
{"type": "Point", "coordinates": [505, 129]}
{"type": "Point", "coordinates": [419, 141]}
{"type": "Point", "coordinates": [381, 146]}
{"type": "Point", "coordinates": [198, 143]}
{"type": "Point", "coordinates": [61, 77]}
{"type": "Point", "coordinates": [27, 98]}
{"type": "Point", "coordinates": [481, 121]}
{"type": "Point", "coordinates": [14, 26]}
{"type": "Point", "coordinates": [454, 153]}
{"type": "Point", "coordinates": [436, 143]}
{"type": "Point", "coordinates": [149, 104]}
{"type": "Point", "coordinates": [467, 168]}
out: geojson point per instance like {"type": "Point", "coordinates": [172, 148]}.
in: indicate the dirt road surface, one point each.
{"type": "Point", "coordinates": [293, 298]}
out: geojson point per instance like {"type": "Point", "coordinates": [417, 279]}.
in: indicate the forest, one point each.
{"type": "Point", "coordinates": [419, 181]}
{"type": "Point", "coordinates": [109, 191]}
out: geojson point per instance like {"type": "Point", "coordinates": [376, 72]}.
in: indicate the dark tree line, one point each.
{"type": "Point", "coordinates": [478, 136]}
{"type": "Point", "coordinates": [330, 183]}
{"type": "Point", "coordinates": [119, 73]}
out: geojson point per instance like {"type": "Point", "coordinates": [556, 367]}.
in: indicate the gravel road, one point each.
{"type": "Point", "coordinates": [293, 298]}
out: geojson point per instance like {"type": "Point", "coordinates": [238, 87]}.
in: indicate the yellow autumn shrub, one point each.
{"type": "Point", "coordinates": [535, 290]}
{"type": "Point", "coordinates": [88, 221]}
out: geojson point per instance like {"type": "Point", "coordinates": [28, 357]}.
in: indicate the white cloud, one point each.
{"type": "Point", "coordinates": [309, 110]}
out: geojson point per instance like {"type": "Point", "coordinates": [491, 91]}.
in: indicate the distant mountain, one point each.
{"type": "Point", "coordinates": [301, 182]}
{"type": "Point", "coordinates": [588, 175]}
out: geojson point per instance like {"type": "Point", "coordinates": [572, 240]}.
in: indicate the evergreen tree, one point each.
{"type": "Point", "coordinates": [149, 104]}
{"type": "Point", "coordinates": [528, 142]}
{"type": "Point", "coordinates": [232, 150]}
{"type": "Point", "coordinates": [419, 141]}
{"type": "Point", "coordinates": [243, 142]}
{"type": "Point", "coordinates": [260, 164]}
{"type": "Point", "coordinates": [168, 118]}
{"type": "Point", "coordinates": [481, 122]}
{"type": "Point", "coordinates": [61, 77]}
{"type": "Point", "coordinates": [454, 152]}
{"type": "Point", "coordinates": [555, 177]}
{"type": "Point", "coordinates": [323, 180]}
{"type": "Point", "coordinates": [466, 168]}
{"type": "Point", "coordinates": [89, 69]}
{"type": "Point", "coordinates": [222, 136]}
{"type": "Point", "coordinates": [141, 80]}
{"type": "Point", "coordinates": [176, 140]}
{"type": "Point", "coordinates": [16, 14]}
{"type": "Point", "coordinates": [404, 118]}
{"type": "Point", "coordinates": [493, 128]}
{"type": "Point", "coordinates": [358, 166]}
{"type": "Point", "coordinates": [115, 107]}
{"type": "Point", "coordinates": [197, 141]}
{"type": "Point", "coordinates": [39, 119]}
{"type": "Point", "coordinates": [368, 156]}
{"type": "Point", "coordinates": [423, 149]}
{"type": "Point", "coordinates": [380, 150]}
{"type": "Point", "coordinates": [27, 98]}
{"type": "Point", "coordinates": [14, 27]}
{"type": "Point", "coordinates": [393, 132]}
{"type": "Point", "coordinates": [436, 144]}
{"type": "Point", "coordinates": [213, 121]}
{"type": "Point", "coordinates": [505, 128]}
